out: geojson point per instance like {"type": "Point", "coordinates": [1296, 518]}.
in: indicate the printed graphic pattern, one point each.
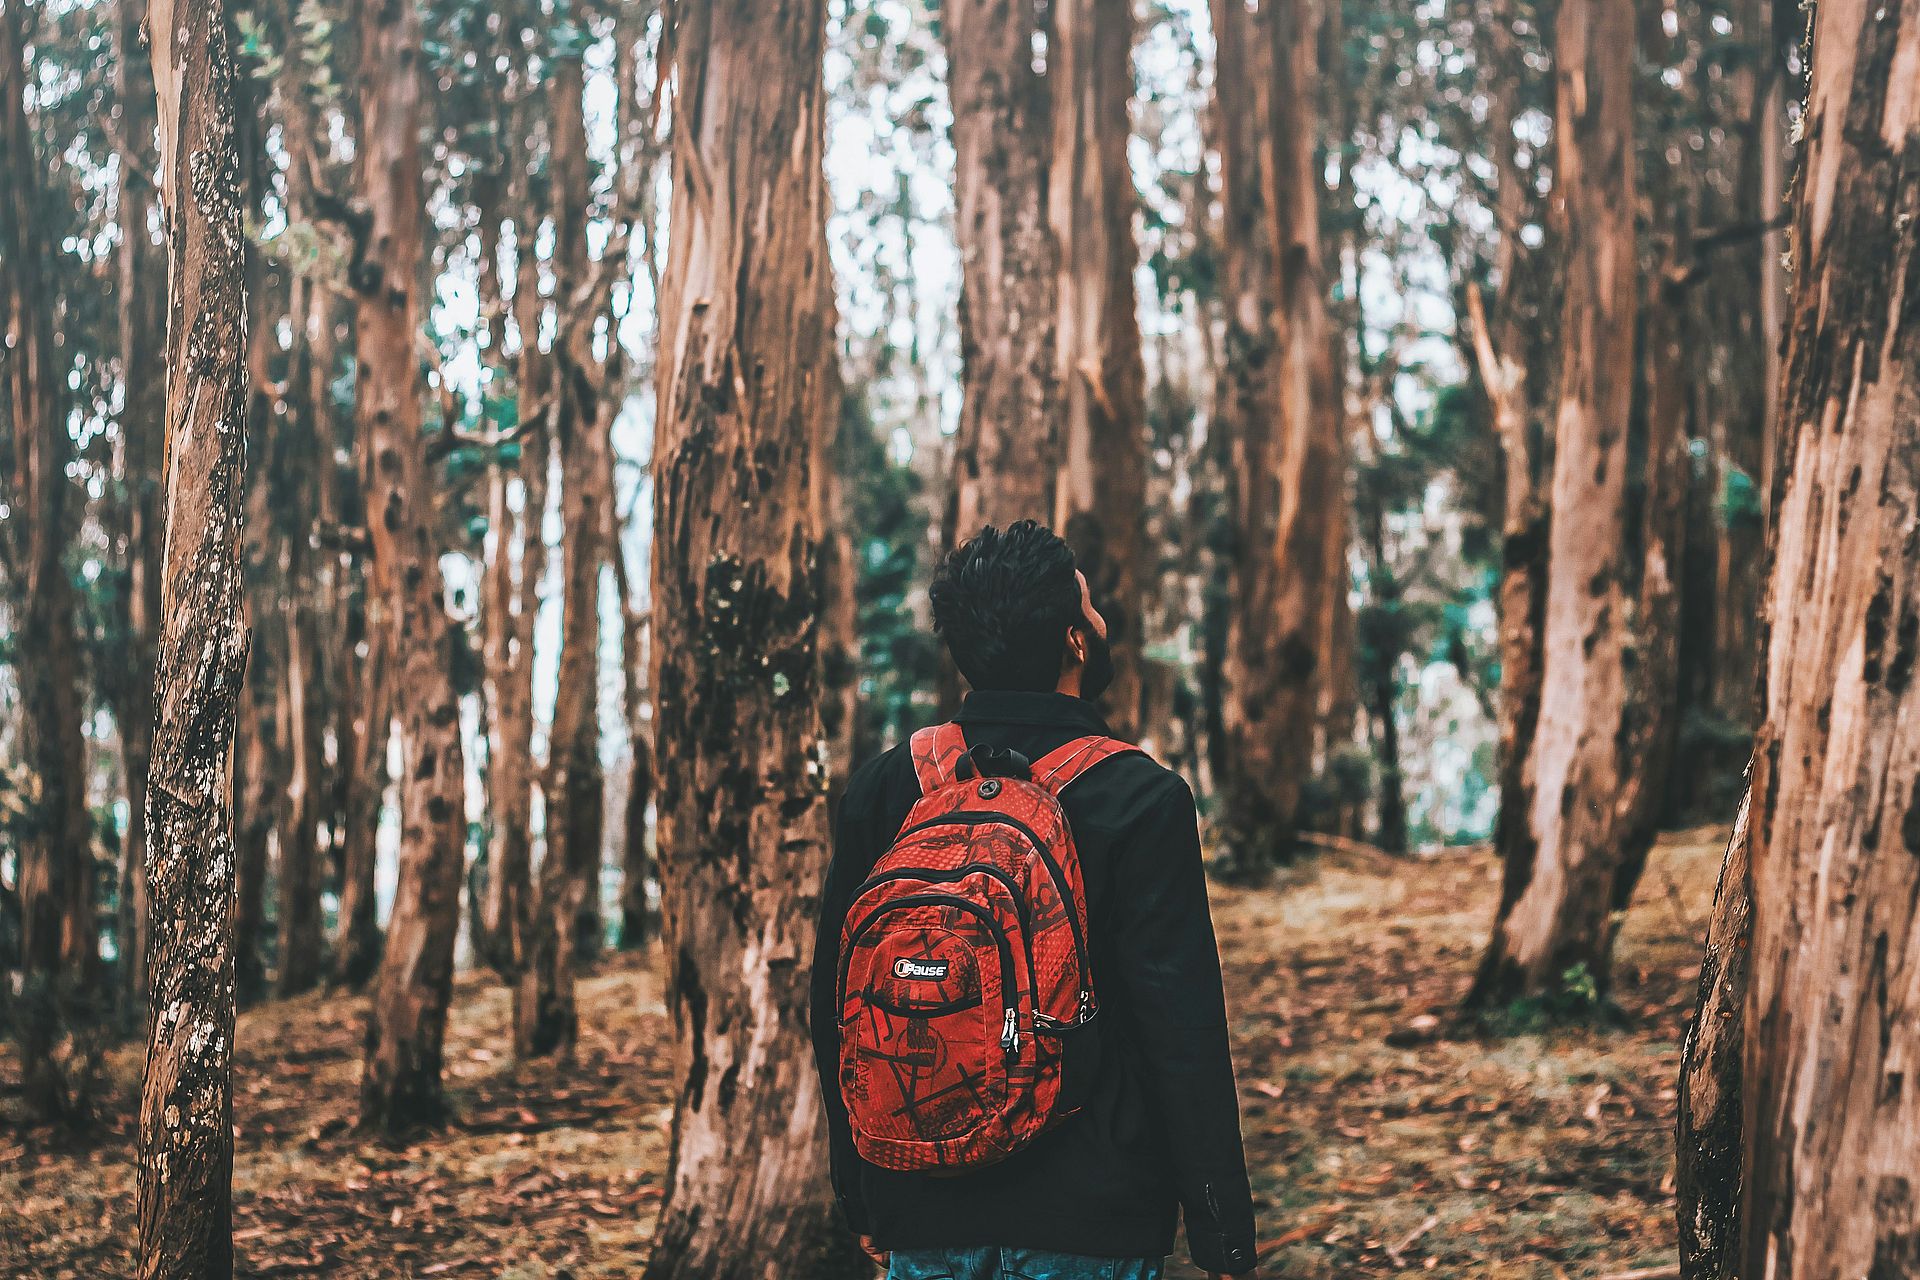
{"type": "Point", "coordinates": [962, 960]}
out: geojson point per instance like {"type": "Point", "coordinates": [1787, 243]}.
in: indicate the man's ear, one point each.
{"type": "Point", "coordinates": [1076, 643]}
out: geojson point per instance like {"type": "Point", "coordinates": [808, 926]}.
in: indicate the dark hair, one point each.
{"type": "Point", "coordinates": [1003, 600]}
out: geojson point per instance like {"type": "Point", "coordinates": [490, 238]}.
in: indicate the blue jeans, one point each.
{"type": "Point", "coordinates": [1015, 1264]}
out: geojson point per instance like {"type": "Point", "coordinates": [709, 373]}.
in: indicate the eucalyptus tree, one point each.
{"type": "Point", "coordinates": [48, 820]}
{"type": "Point", "coordinates": [1813, 1176]}
{"type": "Point", "coordinates": [186, 1106]}
{"type": "Point", "coordinates": [407, 1023]}
{"type": "Point", "coordinates": [748, 397]}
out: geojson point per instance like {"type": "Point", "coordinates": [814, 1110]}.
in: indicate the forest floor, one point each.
{"type": "Point", "coordinates": [1544, 1153]}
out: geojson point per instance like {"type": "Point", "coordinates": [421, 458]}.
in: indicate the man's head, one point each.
{"type": "Point", "coordinates": [1015, 614]}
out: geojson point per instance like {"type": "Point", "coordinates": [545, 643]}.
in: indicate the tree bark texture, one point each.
{"type": "Point", "coordinates": [1832, 1113]}
{"type": "Point", "coordinates": [1709, 1126]}
{"type": "Point", "coordinates": [141, 281]}
{"type": "Point", "coordinates": [54, 874]}
{"type": "Point", "coordinates": [1507, 360]}
{"type": "Point", "coordinates": [1007, 451]}
{"type": "Point", "coordinates": [357, 942]}
{"type": "Point", "coordinates": [186, 1107]}
{"type": "Point", "coordinates": [1281, 407]}
{"type": "Point", "coordinates": [747, 405]}
{"type": "Point", "coordinates": [1554, 921]}
{"type": "Point", "coordinates": [512, 605]}
{"type": "Point", "coordinates": [407, 1024]}
{"type": "Point", "coordinates": [565, 918]}
{"type": "Point", "coordinates": [1101, 379]}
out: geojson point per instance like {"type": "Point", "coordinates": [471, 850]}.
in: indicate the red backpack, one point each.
{"type": "Point", "coordinates": [963, 962]}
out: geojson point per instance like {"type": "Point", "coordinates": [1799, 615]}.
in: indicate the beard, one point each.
{"type": "Point", "coordinates": [1097, 674]}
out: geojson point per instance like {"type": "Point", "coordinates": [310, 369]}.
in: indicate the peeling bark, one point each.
{"type": "Point", "coordinates": [1709, 1125]}
{"type": "Point", "coordinates": [1831, 1109]}
{"type": "Point", "coordinates": [186, 1107]}
{"type": "Point", "coordinates": [1555, 920]}
{"type": "Point", "coordinates": [748, 400]}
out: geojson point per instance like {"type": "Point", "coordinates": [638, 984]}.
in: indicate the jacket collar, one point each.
{"type": "Point", "coordinates": [1009, 706]}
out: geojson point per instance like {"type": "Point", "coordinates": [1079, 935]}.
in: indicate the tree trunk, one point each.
{"type": "Point", "coordinates": [1832, 1117]}
{"type": "Point", "coordinates": [401, 1085]}
{"type": "Point", "coordinates": [565, 917]}
{"type": "Point", "coordinates": [1554, 929]}
{"type": "Point", "coordinates": [141, 281]}
{"type": "Point", "coordinates": [357, 946]}
{"type": "Point", "coordinates": [1007, 451]}
{"type": "Point", "coordinates": [1101, 378]}
{"type": "Point", "coordinates": [1710, 1119]}
{"type": "Point", "coordinates": [303, 450]}
{"type": "Point", "coordinates": [186, 1107]}
{"type": "Point", "coordinates": [512, 605]}
{"type": "Point", "coordinates": [1282, 410]}
{"type": "Point", "coordinates": [54, 870]}
{"type": "Point", "coordinates": [1503, 343]}
{"type": "Point", "coordinates": [253, 825]}
{"type": "Point", "coordinates": [1732, 350]}
{"type": "Point", "coordinates": [748, 398]}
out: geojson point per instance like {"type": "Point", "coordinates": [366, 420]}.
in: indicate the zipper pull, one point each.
{"type": "Point", "coordinates": [1010, 1033]}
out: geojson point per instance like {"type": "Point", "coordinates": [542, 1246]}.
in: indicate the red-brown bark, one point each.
{"type": "Point", "coordinates": [54, 876]}
{"type": "Point", "coordinates": [747, 401]}
{"type": "Point", "coordinates": [1832, 1117]}
{"type": "Point", "coordinates": [1102, 486]}
{"type": "Point", "coordinates": [407, 1024]}
{"type": "Point", "coordinates": [186, 1107]}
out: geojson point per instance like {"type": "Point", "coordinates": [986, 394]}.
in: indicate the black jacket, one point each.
{"type": "Point", "coordinates": [1161, 1129]}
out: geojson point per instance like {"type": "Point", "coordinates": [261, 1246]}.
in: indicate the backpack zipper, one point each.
{"type": "Point", "coordinates": [946, 875]}
{"type": "Point", "coordinates": [977, 817]}
{"type": "Point", "coordinates": [1009, 995]}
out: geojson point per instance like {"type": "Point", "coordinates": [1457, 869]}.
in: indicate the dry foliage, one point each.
{"type": "Point", "coordinates": [1544, 1154]}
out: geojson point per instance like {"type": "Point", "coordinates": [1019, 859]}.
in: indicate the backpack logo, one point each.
{"type": "Point", "coordinates": [924, 970]}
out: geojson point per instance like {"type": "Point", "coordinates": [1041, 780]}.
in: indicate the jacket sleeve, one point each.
{"type": "Point", "coordinates": [856, 844]}
{"type": "Point", "coordinates": [1167, 961]}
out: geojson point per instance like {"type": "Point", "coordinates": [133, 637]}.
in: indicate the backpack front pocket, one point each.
{"type": "Point", "coordinates": [926, 1006]}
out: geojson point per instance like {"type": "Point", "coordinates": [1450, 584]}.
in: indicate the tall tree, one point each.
{"type": "Point", "coordinates": [1007, 452]}
{"type": "Point", "coordinates": [1101, 378]}
{"type": "Point", "coordinates": [1832, 1140]}
{"type": "Point", "coordinates": [54, 874]}
{"type": "Point", "coordinates": [141, 298]}
{"type": "Point", "coordinates": [1512, 365]}
{"type": "Point", "coordinates": [1732, 300]}
{"type": "Point", "coordinates": [1280, 410]}
{"type": "Point", "coordinates": [407, 1023]}
{"type": "Point", "coordinates": [748, 396]}
{"type": "Point", "coordinates": [1555, 918]}
{"type": "Point", "coordinates": [544, 1018]}
{"type": "Point", "coordinates": [511, 591]}
{"type": "Point", "coordinates": [186, 1108]}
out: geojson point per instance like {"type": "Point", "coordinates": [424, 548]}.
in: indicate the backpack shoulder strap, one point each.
{"type": "Point", "coordinates": [1059, 767]}
{"type": "Point", "coordinates": [936, 752]}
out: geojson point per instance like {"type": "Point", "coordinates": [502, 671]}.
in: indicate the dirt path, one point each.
{"type": "Point", "coordinates": [1544, 1154]}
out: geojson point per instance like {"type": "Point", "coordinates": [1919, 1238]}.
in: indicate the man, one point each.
{"type": "Point", "coordinates": [1097, 1195]}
